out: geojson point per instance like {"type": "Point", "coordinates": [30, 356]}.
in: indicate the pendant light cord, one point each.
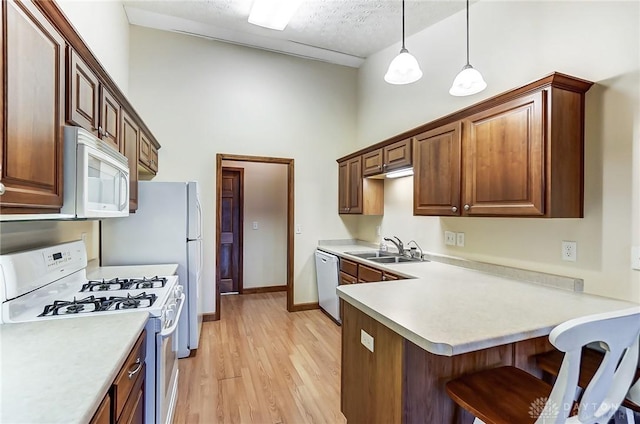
{"type": "Point", "coordinates": [467, 32]}
{"type": "Point", "coordinates": [403, 24]}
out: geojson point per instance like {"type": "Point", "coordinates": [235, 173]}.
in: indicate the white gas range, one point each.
{"type": "Point", "coordinates": [51, 283]}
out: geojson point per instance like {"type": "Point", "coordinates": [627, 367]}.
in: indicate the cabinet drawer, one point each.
{"type": "Point", "coordinates": [133, 411]}
{"type": "Point", "coordinates": [347, 279]}
{"type": "Point", "coordinates": [368, 275]}
{"type": "Point", "coordinates": [132, 369]}
{"type": "Point", "coordinates": [349, 267]}
{"type": "Point", "coordinates": [387, 276]}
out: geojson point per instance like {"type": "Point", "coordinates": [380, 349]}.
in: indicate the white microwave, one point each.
{"type": "Point", "coordinates": [96, 177]}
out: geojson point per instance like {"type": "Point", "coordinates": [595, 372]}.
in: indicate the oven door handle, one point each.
{"type": "Point", "coordinates": [169, 331]}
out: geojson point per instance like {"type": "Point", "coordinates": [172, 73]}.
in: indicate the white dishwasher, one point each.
{"type": "Point", "coordinates": [327, 277]}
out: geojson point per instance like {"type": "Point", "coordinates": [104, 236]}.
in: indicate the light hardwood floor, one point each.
{"type": "Point", "coordinates": [262, 364]}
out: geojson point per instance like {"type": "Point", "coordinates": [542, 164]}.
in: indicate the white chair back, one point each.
{"type": "Point", "coordinates": [618, 333]}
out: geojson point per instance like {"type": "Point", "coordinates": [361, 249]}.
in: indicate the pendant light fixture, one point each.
{"type": "Point", "coordinates": [468, 81]}
{"type": "Point", "coordinates": [404, 69]}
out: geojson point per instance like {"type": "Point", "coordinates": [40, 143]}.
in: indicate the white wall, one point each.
{"type": "Point", "coordinates": [265, 202]}
{"type": "Point", "coordinates": [108, 38]}
{"type": "Point", "coordinates": [104, 27]}
{"type": "Point", "coordinates": [202, 97]}
{"type": "Point", "coordinates": [513, 43]}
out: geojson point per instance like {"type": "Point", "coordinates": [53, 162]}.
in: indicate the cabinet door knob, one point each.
{"type": "Point", "coordinates": [467, 207]}
{"type": "Point", "coordinates": [1, 189]}
{"type": "Point", "coordinates": [454, 209]}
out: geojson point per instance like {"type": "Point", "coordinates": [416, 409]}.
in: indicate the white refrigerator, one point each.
{"type": "Point", "coordinates": [166, 228]}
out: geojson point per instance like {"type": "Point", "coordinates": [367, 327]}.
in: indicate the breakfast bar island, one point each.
{"type": "Point", "coordinates": [402, 341]}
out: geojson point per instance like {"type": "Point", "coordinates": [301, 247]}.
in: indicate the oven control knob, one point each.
{"type": "Point", "coordinates": [170, 314]}
{"type": "Point", "coordinates": [178, 291]}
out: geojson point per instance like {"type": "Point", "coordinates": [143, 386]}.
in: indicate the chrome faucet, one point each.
{"type": "Point", "coordinates": [412, 252]}
{"type": "Point", "coordinates": [398, 244]}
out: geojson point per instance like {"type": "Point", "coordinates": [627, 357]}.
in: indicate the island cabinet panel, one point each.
{"type": "Point", "coordinates": [371, 381]}
{"type": "Point", "coordinates": [504, 159]}
{"type": "Point", "coordinates": [400, 382]}
{"type": "Point", "coordinates": [426, 375]}
{"type": "Point", "coordinates": [436, 165]}
{"type": "Point", "coordinates": [33, 100]}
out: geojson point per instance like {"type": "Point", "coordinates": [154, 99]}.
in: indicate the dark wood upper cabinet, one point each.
{"type": "Point", "coordinates": [397, 155]}
{"type": "Point", "coordinates": [387, 158]}
{"type": "Point", "coordinates": [84, 94]}
{"type": "Point", "coordinates": [129, 148]}
{"type": "Point", "coordinates": [504, 159]}
{"type": "Point", "coordinates": [372, 163]}
{"type": "Point", "coordinates": [32, 93]}
{"type": "Point", "coordinates": [436, 167]}
{"type": "Point", "coordinates": [147, 156]}
{"type": "Point", "coordinates": [358, 195]}
{"type": "Point", "coordinates": [110, 113]}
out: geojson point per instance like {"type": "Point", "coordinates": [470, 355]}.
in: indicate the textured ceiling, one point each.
{"type": "Point", "coordinates": [337, 31]}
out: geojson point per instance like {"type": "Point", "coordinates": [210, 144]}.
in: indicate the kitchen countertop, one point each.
{"type": "Point", "coordinates": [132, 271]}
{"type": "Point", "coordinates": [450, 310]}
{"type": "Point", "coordinates": [59, 370]}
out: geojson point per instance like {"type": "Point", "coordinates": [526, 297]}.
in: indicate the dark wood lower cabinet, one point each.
{"type": "Point", "coordinates": [103, 415]}
{"type": "Point", "coordinates": [399, 382]}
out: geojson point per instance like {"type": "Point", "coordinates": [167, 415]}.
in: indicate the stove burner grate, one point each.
{"type": "Point", "coordinates": [124, 284]}
{"type": "Point", "coordinates": [97, 304]}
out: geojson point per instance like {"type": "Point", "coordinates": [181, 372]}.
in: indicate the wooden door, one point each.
{"type": "Point", "coordinates": [33, 99]}
{"type": "Point", "coordinates": [83, 94]}
{"type": "Point", "coordinates": [436, 167]}
{"type": "Point", "coordinates": [231, 221]}
{"type": "Point", "coordinates": [504, 159]}
{"type": "Point", "coordinates": [129, 148]}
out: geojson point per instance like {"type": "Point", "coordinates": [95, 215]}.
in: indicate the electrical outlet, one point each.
{"type": "Point", "coordinates": [449, 238]}
{"type": "Point", "coordinates": [377, 230]}
{"type": "Point", "coordinates": [366, 339]}
{"type": "Point", "coordinates": [83, 236]}
{"type": "Point", "coordinates": [460, 239]}
{"type": "Point", "coordinates": [255, 225]}
{"type": "Point", "coordinates": [569, 251]}
{"type": "Point", "coordinates": [635, 257]}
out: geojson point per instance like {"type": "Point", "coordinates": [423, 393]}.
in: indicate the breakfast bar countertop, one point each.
{"type": "Point", "coordinates": [450, 310]}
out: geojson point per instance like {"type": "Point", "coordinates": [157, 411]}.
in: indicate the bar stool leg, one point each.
{"type": "Point", "coordinates": [624, 416]}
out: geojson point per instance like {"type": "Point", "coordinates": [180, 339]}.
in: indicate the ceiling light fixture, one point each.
{"type": "Point", "coordinates": [273, 14]}
{"type": "Point", "coordinates": [404, 69]}
{"type": "Point", "coordinates": [469, 81]}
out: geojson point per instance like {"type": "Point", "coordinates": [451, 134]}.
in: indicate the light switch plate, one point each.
{"type": "Point", "coordinates": [460, 239]}
{"type": "Point", "coordinates": [366, 339]}
{"type": "Point", "coordinates": [449, 238]}
{"type": "Point", "coordinates": [635, 257]}
{"type": "Point", "coordinates": [298, 229]}
{"type": "Point", "coordinates": [255, 225]}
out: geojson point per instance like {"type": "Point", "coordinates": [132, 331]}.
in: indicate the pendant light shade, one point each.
{"type": "Point", "coordinates": [404, 69]}
{"type": "Point", "coordinates": [469, 81]}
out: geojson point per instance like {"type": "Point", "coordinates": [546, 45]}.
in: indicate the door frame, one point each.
{"type": "Point", "coordinates": [290, 217]}
{"type": "Point", "coordinates": [240, 172]}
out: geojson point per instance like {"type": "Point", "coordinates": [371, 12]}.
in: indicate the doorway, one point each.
{"type": "Point", "coordinates": [230, 246]}
{"type": "Point", "coordinates": [225, 241]}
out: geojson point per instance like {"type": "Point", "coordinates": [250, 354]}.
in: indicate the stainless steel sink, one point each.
{"type": "Point", "coordinates": [368, 255]}
{"type": "Point", "coordinates": [383, 257]}
{"type": "Point", "coordinates": [393, 259]}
